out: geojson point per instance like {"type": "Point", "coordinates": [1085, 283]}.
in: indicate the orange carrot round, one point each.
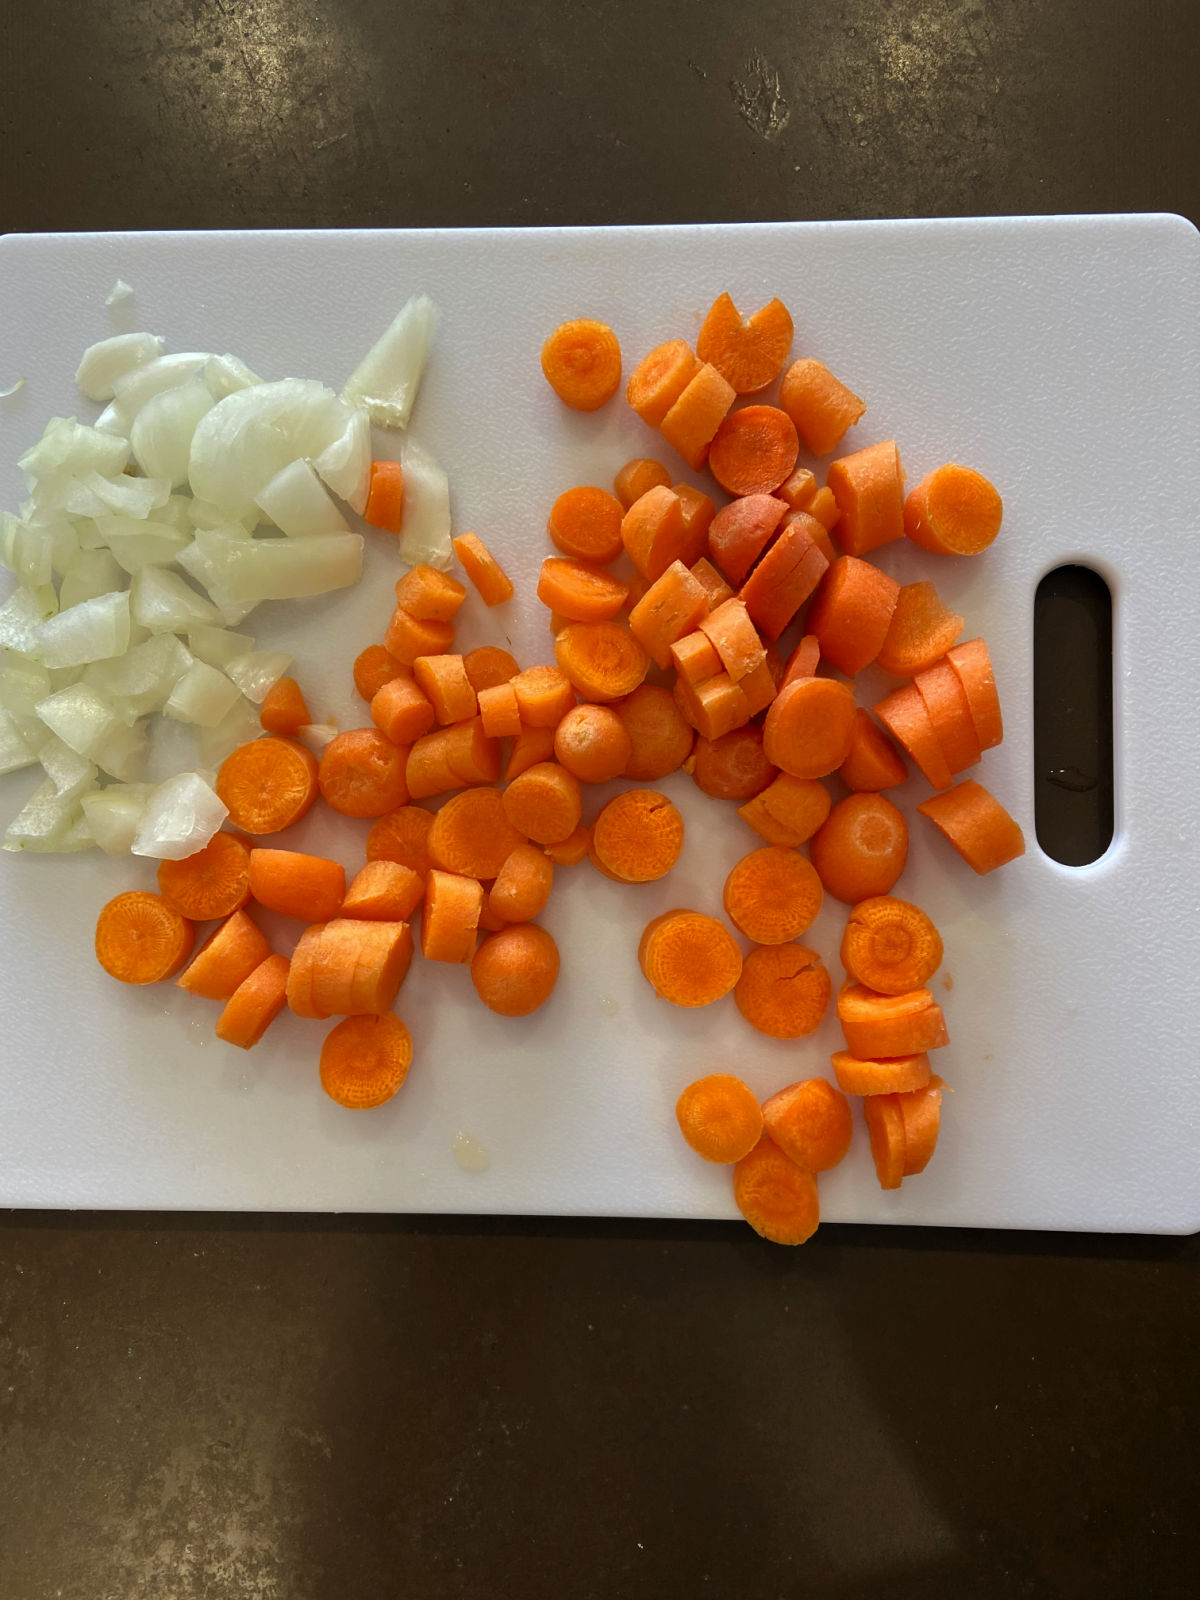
{"type": "Point", "coordinates": [581, 361]}
{"type": "Point", "coordinates": [267, 785]}
{"type": "Point", "coordinates": [949, 710]}
{"type": "Point", "coordinates": [748, 352]}
{"type": "Point", "coordinates": [755, 813]}
{"type": "Point", "coordinates": [515, 971]}
{"type": "Point", "coordinates": [809, 727]}
{"type": "Point", "coordinates": [362, 774]}
{"type": "Point", "coordinates": [489, 666]}
{"type": "Point", "coordinates": [653, 533]}
{"type": "Point", "coordinates": [709, 579]}
{"type": "Point", "coordinates": [890, 945]}
{"type": "Point", "coordinates": [254, 1004]}
{"type": "Point", "coordinates": [471, 834]}
{"type": "Point", "coordinates": [973, 664]}
{"type": "Point", "coordinates": [773, 895]}
{"type": "Point", "coordinates": [522, 886]}
{"type": "Point", "coordinates": [402, 835]}
{"type": "Point", "coordinates": [851, 612]}
{"type": "Point", "coordinates": [285, 709]}
{"type": "Point", "coordinates": [374, 667]}
{"type": "Point", "coordinates": [450, 917]}
{"type": "Point", "coordinates": [591, 742]}
{"type": "Point", "coordinates": [633, 480]}
{"type": "Point", "coordinates": [492, 583]}
{"type": "Point", "coordinates": [226, 959]}
{"type": "Point", "coordinates": [977, 825]}
{"type": "Point", "coordinates": [754, 450]}
{"type": "Point", "coordinates": [668, 611]}
{"type": "Point", "coordinates": [803, 661]}
{"type": "Point", "coordinates": [885, 1125]}
{"type": "Point", "coordinates": [297, 885]}
{"type": "Point", "coordinates": [869, 489]}
{"type": "Point", "coordinates": [602, 660]}
{"type": "Point", "coordinates": [786, 576]}
{"type": "Point", "coordinates": [872, 762]}
{"type": "Point", "coordinates": [689, 959]}
{"type": "Point", "coordinates": [811, 1123]}
{"type": "Point", "coordinates": [430, 595]}
{"type": "Point", "coordinates": [544, 696]}
{"type": "Point", "coordinates": [401, 712]}
{"type": "Point", "coordinates": [365, 1060]}
{"type": "Point", "coordinates": [140, 939]}
{"type": "Point", "coordinates": [921, 1114]}
{"type": "Point", "coordinates": [444, 683]}
{"type": "Point", "coordinates": [500, 711]}
{"type": "Point", "coordinates": [579, 591]}
{"type": "Point", "coordinates": [798, 804]}
{"type": "Point", "coordinates": [384, 891]}
{"type": "Point", "coordinates": [660, 739]}
{"type": "Point", "coordinates": [922, 629]}
{"type": "Point", "coordinates": [408, 637]}
{"type": "Point", "coordinates": [733, 767]}
{"type": "Point", "coordinates": [214, 882]}
{"type": "Point", "coordinates": [953, 511]}
{"type": "Point", "coordinates": [741, 531]}
{"type": "Point", "coordinates": [696, 415]}
{"type": "Point", "coordinates": [821, 406]}
{"type": "Point", "coordinates": [775, 1196]}
{"type": "Point", "coordinates": [569, 852]}
{"type": "Point", "coordinates": [880, 1077]}
{"type": "Point", "coordinates": [585, 522]}
{"type": "Point", "coordinates": [385, 497]}
{"type": "Point", "coordinates": [906, 717]}
{"type": "Point", "coordinates": [544, 803]}
{"type": "Point", "coordinates": [529, 747]}
{"type": "Point", "coordinates": [659, 379]}
{"type": "Point", "coordinates": [720, 1118]}
{"type": "Point", "coordinates": [861, 847]}
{"type": "Point", "coordinates": [783, 990]}
{"type": "Point", "coordinates": [883, 1027]}
{"type": "Point", "coordinates": [638, 836]}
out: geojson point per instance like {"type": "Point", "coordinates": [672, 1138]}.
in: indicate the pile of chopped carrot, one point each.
{"type": "Point", "coordinates": [720, 640]}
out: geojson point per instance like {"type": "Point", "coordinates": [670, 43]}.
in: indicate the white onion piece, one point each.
{"type": "Point", "coordinates": [298, 503]}
{"type": "Point", "coordinates": [42, 823]}
{"type": "Point", "coordinates": [140, 681]}
{"type": "Point", "coordinates": [180, 817]}
{"type": "Point", "coordinates": [387, 378]}
{"type": "Point", "coordinates": [64, 543]}
{"type": "Point", "coordinates": [82, 718]}
{"type": "Point", "coordinates": [426, 527]}
{"type": "Point", "coordinates": [256, 672]}
{"type": "Point", "coordinates": [67, 447]}
{"type": "Point", "coordinates": [207, 514]}
{"type": "Point", "coordinates": [345, 465]}
{"type": "Point", "coordinates": [240, 727]}
{"type": "Point", "coordinates": [316, 735]}
{"type": "Point", "coordinates": [93, 573]}
{"type": "Point", "coordinates": [226, 374]}
{"type": "Point", "coordinates": [177, 513]}
{"type": "Point", "coordinates": [206, 559]}
{"type": "Point", "coordinates": [252, 434]}
{"type": "Point", "coordinates": [143, 383]}
{"type": "Point", "coordinates": [23, 682]}
{"type": "Point", "coordinates": [218, 646]}
{"type": "Point", "coordinates": [113, 815]}
{"type": "Point", "coordinates": [16, 751]}
{"type": "Point", "coordinates": [71, 774]}
{"type": "Point", "coordinates": [135, 545]}
{"type": "Point", "coordinates": [22, 615]}
{"type": "Point", "coordinates": [118, 294]}
{"type": "Point", "coordinates": [291, 569]}
{"type": "Point", "coordinates": [161, 602]}
{"type": "Point", "coordinates": [104, 363]}
{"type": "Point", "coordinates": [203, 695]}
{"type": "Point", "coordinates": [162, 431]}
{"type": "Point", "coordinates": [125, 754]}
{"type": "Point", "coordinates": [111, 421]}
{"type": "Point", "coordinates": [94, 630]}
{"type": "Point", "coordinates": [89, 494]}
{"type": "Point", "coordinates": [27, 552]}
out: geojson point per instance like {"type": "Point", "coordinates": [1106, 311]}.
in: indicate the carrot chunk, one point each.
{"type": "Point", "coordinates": [141, 939]}
{"type": "Point", "coordinates": [720, 1118]}
{"type": "Point", "coordinates": [820, 405]}
{"type": "Point", "coordinates": [581, 361]}
{"type": "Point", "coordinates": [775, 1196]}
{"type": "Point", "coordinates": [811, 1123]}
{"type": "Point", "coordinates": [783, 990]}
{"type": "Point", "coordinates": [977, 825]}
{"type": "Point", "coordinates": [748, 352]}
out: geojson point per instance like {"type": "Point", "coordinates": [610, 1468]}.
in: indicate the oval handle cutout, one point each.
{"type": "Point", "coordinates": [1073, 715]}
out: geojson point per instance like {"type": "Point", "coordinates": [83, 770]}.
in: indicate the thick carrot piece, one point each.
{"type": "Point", "coordinates": [823, 508]}
{"type": "Point", "coordinates": [659, 737]}
{"type": "Point", "coordinates": [783, 990]}
{"type": "Point", "coordinates": [754, 450]}
{"type": "Point", "coordinates": [529, 747]}
{"type": "Point", "coordinates": [689, 959]}
{"type": "Point", "coordinates": [430, 595]}
{"type": "Point", "coordinates": [798, 804]}
{"type": "Point", "coordinates": [140, 939]}
{"type": "Point", "coordinates": [444, 683]}
{"type": "Point", "coordinates": [569, 852]}
{"type": "Point", "coordinates": [254, 1004]}
{"type": "Point", "coordinates": [698, 512]}
{"type": "Point", "coordinates": [953, 511]}
{"type": "Point", "coordinates": [973, 663]}
{"type": "Point", "coordinates": [581, 361]}
{"type": "Point", "coordinates": [741, 531]}
{"type": "Point", "coordinates": [544, 803]}
{"type": "Point", "coordinates": [670, 608]}
{"type": "Point", "coordinates": [225, 959]}
{"type": "Point", "coordinates": [632, 482]}
{"type": "Point", "coordinates": [977, 825]}
{"type": "Point", "coordinates": [492, 583]}
{"type": "Point", "coordinates": [472, 836]}
{"type": "Point", "coordinates": [365, 1060]}
{"type": "Point", "coordinates": [514, 971]}
{"type": "Point", "coordinates": [408, 637]}
{"type": "Point", "coordinates": [602, 660]}
{"type": "Point", "coordinates": [579, 591]}
{"type": "Point", "coordinates": [890, 945]}
{"type": "Point", "coordinates": [720, 1118]}
{"type": "Point", "coordinates": [300, 974]}
{"type": "Point", "coordinates": [869, 489]}
{"type": "Point", "coordinates": [402, 835]}
{"type": "Point", "coordinates": [921, 1114]}
{"type": "Point", "coordinates": [714, 707]}
{"type": "Point", "coordinates": [732, 767]}
{"type": "Point", "coordinates": [285, 709]}
{"type": "Point", "coordinates": [809, 726]}
{"type": "Point", "coordinates": [782, 581]}
{"type": "Point", "coordinates": [652, 532]}
{"type": "Point", "coordinates": [904, 716]}
{"type": "Point", "coordinates": [450, 917]}
{"type": "Point", "coordinates": [591, 742]}
{"type": "Point", "coordinates": [659, 379]}
{"type": "Point", "coordinates": [803, 661]}
{"type": "Point", "coordinates": [820, 405]}
{"type": "Point", "coordinates": [374, 667]}
{"type": "Point", "coordinates": [851, 613]}
{"type": "Point", "coordinates": [756, 815]}
{"type": "Point", "coordinates": [861, 848]}
{"type": "Point", "coordinates": [748, 352]}
{"type": "Point", "coordinates": [690, 424]}
{"type": "Point", "coordinates": [811, 1123]}
{"type": "Point", "coordinates": [873, 762]}
{"type": "Point", "coordinates": [401, 712]}
{"type": "Point", "coordinates": [362, 774]}
{"type": "Point", "coordinates": [500, 711]}
{"type": "Point", "coordinates": [883, 1027]}
{"type": "Point", "coordinates": [385, 497]}
{"type": "Point", "coordinates": [735, 638]}
{"type": "Point", "coordinates": [296, 885]}
{"type": "Point", "coordinates": [695, 658]}
{"type": "Point", "coordinates": [268, 784]}
{"type": "Point", "coordinates": [638, 837]}
{"type": "Point", "coordinates": [949, 710]}
{"type": "Point", "coordinates": [773, 895]}
{"type": "Point", "coordinates": [383, 891]}
{"type": "Point", "coordinates": [798, 489]}
{"type": "Point", "coordinates": [544, 696]}
{"type": "Point", "coordinates": [900, 1074]}
{"type": "Point", "coordinates": [522, 886]}
{"type": "Point", "coordinates": [885, 1125]}
{"type": "Point", "coordinates": [214, 882]}
{"type": "Point", "coordinates": [775, 1196]}
{"type": "Point", "coordinates": [758, 686]}
{"type": "Point", "coordinates": [357, 966]}
{"type": "Point", "coordinates": [714, 585]}
{"type": "Point", "coordinates": [922, 629]}
{"type": "Point", "coordinates": [488, 666]}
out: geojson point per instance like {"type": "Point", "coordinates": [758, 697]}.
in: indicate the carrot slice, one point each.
{"type": "Point", "coordinates": [777, 1199]}
{"type": "Point", "coordinates": [638, 836]}
{"type": "Point", "coordinates": [581, 361]}
{"type": "Point", "coordinates": [741, 531]}
{"type": "Point", "coordinates": [529, 747]}
{"type": "Point", "coordinates": [400, 711]}
{"type": "Point", "coordinates": [522, 885]}
{"type": "Point", "coordinates": [268, 784]}
{"type": "Point", "coordinates": [798, 489]}
{"type": "Point", "coordinates": [569, 852]}
{"type": "Point", "coordinates": [732, 767]}
{"type": "Point", "coordinates": [450, 917]}
{"type": "Point", "coordinates": [385, 497]}
{"type": "Point", "coordinates": [798, 804]}
{"type": "Point", "coordinates": [890, 945]}
{"type": "Point", "coordinates": [696, 415]}
{"type": "Point", "coordinates": [785, 577]}
{"type": "Point", "coordinates": [297, 885]}
{"type": "Point", "coordinates": [949, 710]}
{"type": "Point", "coordinates": [362, 774]}
{"type": "Point", "coordinates": [300, 974]}
{"type": "Point", "coordinates": [695, 658]}
{"type": "Point", "coordinates": [715, 707]}
{"type": "Point", "coordinates": [384, 891]}
{"type": "Point", "coordinates": [803, 661]}
{"type": "Point", "coordinates": [365, 1060]}
{"type": "Point", "coordinates": [471, 835]}
{"type": "Point", "coordinates": [543, 803]}
{"type": "Point", "coordinates": [885, 1125]}
{"type": "Point", "coordinates": [767, 827]}
{"type": "Point", "coordinates": [783, 990]}
{"type": "Point", "coordinates": [698, 511]}
{"type": "Point", "coordinates": [402, 835]}
{"type": "Point", "coordinates": [285, 709]}
{"type": "Point", "coordinates": [659, 737]}
{"type": "Point", "coordinates": [873, 762]}
{"type": "Point", "coordinates": [408, 637]}
{"type": "Point", "coordinates": [213, 882]}
{"type": "Point", "coordinates": [602, 660]}
{"type": "Point", "coordinates": [748, 352]}
{"type": "Point", "coordinates": [492, 583]}
{"type": "Point", "coordinates": [689, 959]}
{"type": "Point", "coordinates": [659, 379]}
{"type": "Point", "coordinates": [921, 1114]}
{"type": "Point", "coordinates": [225, 959]}
{"type": "Point", "coordinates": [977, 825]}
{"type": "Point", "coordinates": [720, 1118]}
{"type": "Point", "coordinates": [773, 895]}
{"type": "Point", "coordinates": [953, 511]}
{"type": "Point", "coordinates": [254, 1004]}
{"type": "Point", "coordinates": [488, 666]}
{"type": "Point", "coordinates": [352, 967]}
{"type": "Point", "coordinates": [851, 613]}
{"type": "Point", "coordinates": [591, 742]}
{"type": "Point", "coordinates": [869, 488]}
{"type": "Point", "coordinates": [713, 584]}
{"type": "Point", "coordinates": [374, 667]}
{"type": "Point", "coordinates": [809, 727]}
{"type": "Point", "coordinates": [973, 664]}
{"type": "Point", "coordinates": [905, 717]}
{"type": "Point", "coordinates": [515, 971]}
{"type": "Point", "coordinates": [500, 711]}
{"type": "Point", "coordinates": [823, 508]}
{"type": "Point", "coordinates": [861, 848]}
{"type": "Point", "coordinates": [820, 405]}
{"type": "Point", "coordinates": [922, 629]}
{"type": "Point", "coordinates": [811, 1123]}
{"type": "Point", "coordinates": [754, 450]}
{"type": "Point", "coordinates": [652, 532]}
{"type": "Point", "coordinates": [444, 683]}
{"type": "Point", "coordinates": [471, 755]}
{"type": "Point", "coordinates": [579, 591]}
{"type": "Point", "coordinates": [734, 637]}
{"type": "Point", "coordinates": [544, 696]}
{"type": "Point", "coordinates": [880, 1077]}
{"type": "Point", "coordinates": [632, 482]}
{"type": "Point", "coordinates": [430, 595]}
{"type": "Point", "coordinates": [880, 1026]}
{"type": "Point", "coordinates": [141, 939]}
{"type": "Point", "coordinates": [670, 608]}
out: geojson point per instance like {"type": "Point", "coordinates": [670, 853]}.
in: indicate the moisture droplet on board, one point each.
{"type": "Point", "coordinates": [609, 1006]}
{"type": "Point", "coordinates": [470, 1154]}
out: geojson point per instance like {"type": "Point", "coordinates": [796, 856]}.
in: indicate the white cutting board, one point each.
{"type": "Point", "coordinates": [1059, 356]}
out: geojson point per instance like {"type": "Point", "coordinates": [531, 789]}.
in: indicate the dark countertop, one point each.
{"type": "Point", "coordinates": [303, 1409]}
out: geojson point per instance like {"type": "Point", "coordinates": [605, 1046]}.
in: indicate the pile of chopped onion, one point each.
{"type": "Point", "coordinates": [148, 537]}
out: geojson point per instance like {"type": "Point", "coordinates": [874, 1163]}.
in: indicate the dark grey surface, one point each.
{"type": "Point", "coordinates": [282, 1409]}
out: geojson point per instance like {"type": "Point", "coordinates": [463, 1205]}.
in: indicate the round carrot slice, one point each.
{"type": "Point", "coordinates": [602, 659]}
{"type": "Point", "coordinates": [811, 1123]}
{"type": "Point", "coordinates": [720, 1117]}
{"type": "Point", "coordinates": [783, 990]}
{"type": "Point", "coordinates": [141, 939]}
{"type": "Point", "coordinates": [581, 361]}
{"type": "Point", "coordinates": [472, 836]}
{"type": "Point", "coordinates": [885, 1124]}
{"type": "Point", "coordinates": [809, 727]}
{"type": "Point", "coordinates": [362, 774]}
{"type": "Point", "coordinates": [214, 882]}
{"type": "Point", "coordinates": [900, 1073]}
{"type": "Point", "coordinates": [586, 522]}
{"type": "Point", "coordinates": [638, 836]}
{"type": "Point", "coordinates": [773, 895]}
{"type": "Point", "coordinates": [890, 945]}
{"type": "Point", "coordinates": [775, 1196]}
{"type": "Point", "coordinates": [514, 971]}
{"type": "Point", "coordinates": [364, 1060]}
{"type": "Point", "coordinates": [268, 784]}
{"type": "Point", "coordinates": [754, 450]}
{"type": "Point", "coordinates": [688, 958]}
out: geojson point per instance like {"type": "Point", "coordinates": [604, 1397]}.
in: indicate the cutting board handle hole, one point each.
{"type": "Point", "coordinates": [1073, 715]}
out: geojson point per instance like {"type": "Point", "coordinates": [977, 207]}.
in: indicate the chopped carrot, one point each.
{"type": "Point", "coordinates": [977, 825]}
{"type": "Point", "coordinates": [885, 1125]}
{"type": "Point", "coordinates": [522, 885]}
{"type": "Point", "coordinates": [569, 852]}
{"type": "Point", "coordinates": [973, 663]}
{"type": "Point", "coordinates": [384, 891]}
{"type": "Point", "coordinates": [734, 637]}
{"type": "Point", "coordinates": [811, 1123]}
{"type": "Point", "coordinates": [797, 490]}
{"type": "Point", "coordinates": [385, 497]}
{"type": "Point", "coordinates": [585, 523]}
{"type": "Point", "coordinates": [922, 629]}
{"type": "Point", "coordinates": [809, 727]}
{"type": "Point", "coordinates": [890, 945]}
{"type": "Point", "coordinates": [758, 687]}
{"type": "Point", "coordinates": [581, 361]}
{"type": "Point", "coordinates": [732, 767]}
{"type": "Point", "coordinates": [799, 804]}
{"type": "Point", "coordinates": [365, 1060]}
{"type": "Point", "coordinates": [544, 695]}
{"type": "Point", "coordinates": [374, 667]}
{"type": "Point", "coordinates": [268, 784]}
{"type": "Point", "coordinates": [213, 882]}
{"type": "Point", "coordinates": [470, 754]}
{"type": "Point", "coordinates": [880, 1077]}
{"type": "Point", "coordinates": [714, 585]}
{"type": "Point", "coordinates": [592, 742]}
{"type": "Point", "coordinates": [602, 660]}
{"type": "Point", "coordinates": [450, 917]}
{"type": "Point", "coordinates": [696, 415]}
{"type": "Point", "coordinates": [529, 747]}
{"type": "Point", "coordinates": [873, 762]}
{"type": "Point", "coordinates": [660, 739]}
{"type": "Point", "coordinates": [695, 658]}
{"type": "Point", "coordinates": [472, 836]}
{"type": "Point", "coordinates": [803, 661]}
{"type": "Point", "coordinates": [225, 959]}
{"type": "Point", "coordinates": [773, 895]}
{"type": "Point", "coordinates": [689, 959]}
{"type": "Point", "coordinates": [861, 847]}
{"type": "Point", "coordinates": [362, 774]}
{"type": "Point", "coordinates": [402, 835]}
{"type": "Point", "coordinates": [782, 581]}
{"type": "Point", "coordinates": [543, 803]}
{"type": "Point", "coordinates": [492, 583]}
{"type": "Point", "coordinates": [698, 512]}
{"type": "Point", "coordinates": [941, 688]}
{"type": "Point", "coordinates": [141, 939]}
{"type": "Point", "coordinates": [300, 974]}
{"type": "Point", "coordinates": [632, 482]}
{"type": "Point", "coordinates": [823, 508]}
{"type": "Point", "coordinates": [904, 715]}
{"type": "Point", "coordinates": [741, 531]}
{"type": "Point", "coordinates": [254, 1004]}
{"type": "Point", "coordinates": [659, 379]}
{"type": "Point", "coordinates": [311, 888]}
{"type": "Point", "coordinates": [430, 595]}
{"type": "Point", "coordinates": [652, 532]}
{"type": "Point", "coordinates": [400, 711]}
{"type": "Point", "coordinates": [670, 608]}
{"type": "Point", "coordinates": [884, 1026]}
{"type": "Point", "coordinates": [444, 683]}
{"type": "Point", "coordinates": [715, 707]}
{"type": "Point", "coordinates": [748, 352]}
{"type": "Point", "coordinates": [638, 836]}
{"type": "Point", "coordinates": [754, 450]}
{"type": "Point", "coordinates": [499, 711]}
{"type": "Point", "coordinates": [285, 709]}
{"type": "Point", "coordinates": [869, 488]}
{"type": "Point", "coordinates": [579, 591]}
{"type": "Point", "coordinates": [488, 921]}
{"type": "Point", "coordinates": [851, 613]}
{"type": "Point", "coordinates": [489, 666]}
{"type": "Point", "coordinates": [921, 1114]}
{"type": "Point", "coordinates": [720, 1118]}
{"type": "Point", "coordinates": [777, 1199]}
{"type": "Point", "coordinates": [953, 511]}
{"type": "Point", "coordinates": [349, 967]}
{"type": "Point", "coordinates": [639, 586]}
{"type": "Point", "coordinates": [514, 971]}
{"type": "Point", "coordinates": [408, 637]}
{"type": "Point", "coordinates": [821, 407]}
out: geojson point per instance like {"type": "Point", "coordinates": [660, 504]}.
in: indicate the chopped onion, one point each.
{"type": "Point", "coordinates": [82, 718]}
{"type": "Point", "coordinates": [226, 374]}
{"type": "Point", "coordinates": [67, 447]}
{"type": "Point", "coordinates": [93, 573]}
{"type": "Point", "coordinates": [16, 751]}
{"type": "Point", "coordinates": [298, 503]}
{"type": "Point", "coordinates": [111, 421]}
{"type": "Point", "coordinates": [23, 682]}
{"type": "Point", "coordinates": [113, 815]}
{"type": "Point", "coordinates": [345, 465]}
{"type": "Point", "coordinates": [218, 646]}
{"type": "Point", "coordinates": [386, 380]}
{"type": "Point", "coordinates": [179, 818]}
{"type": "Point", "coordinates": [207, 559]}
{"type": "Point", "coordinates": [203, 695]}
{"type": "Point", "coordinates": [167, 372]}
{"type": "Point", "coordinates": [94, 630]}
{"type": "Point", "coordinates": [240, 727]}
{"type": "Point", "coordinates": [290, 569]}
{"type": "Point", "coordinates": [426, 532]}
{"type": "Point", "coordinates": [22, 615]}
{"type": "Point", "coordinates": [71, 774]}
{"type": "Point", "coordinates": [162, 430]}
{"type": "Point", "coordinates": [43, 822]}
{"type": "Point", "coordinates": [118, 294]}
{"type": "Point", "coordinates": [141, 680]}
{"type": "Point", "coordinates": [27, 552]}
{"type": "Point", "coordinates": [162, 602]}
{"type": "Point", "coordinates": [316, 735]}
{"type": "Point", "coordinates": [137, 544]}
{"type": "Point", "coordinates": [257, 671]}
{"type": "Point", "coordinates": [126, 753]}
{"type": "Point", "coordinates": [104, 363]}
{"type": "Point", "coordinates": [177, 512]}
